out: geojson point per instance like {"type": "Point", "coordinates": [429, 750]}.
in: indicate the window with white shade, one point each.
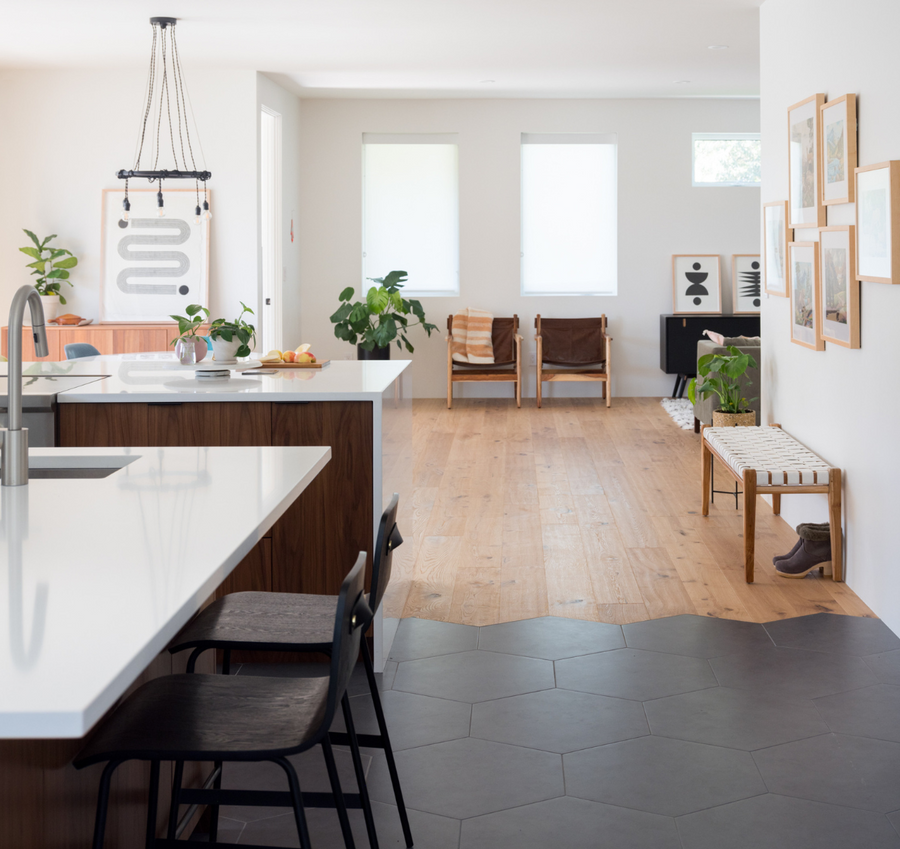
{"type": "Point", "coordinates": [569, 220]}
{"type": "Point", "coordinates": [726, 159]}
{"type": "Point", "coordinates": [411, 211]}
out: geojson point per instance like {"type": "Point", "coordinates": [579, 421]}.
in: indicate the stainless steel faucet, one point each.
{"type": "Point", "coordinates": [14, 438]}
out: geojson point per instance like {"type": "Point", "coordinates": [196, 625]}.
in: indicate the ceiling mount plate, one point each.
{"type": "Point", "coordinates": [164, 22]}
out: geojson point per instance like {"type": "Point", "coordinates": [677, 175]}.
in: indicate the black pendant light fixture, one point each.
{"type": "Point", "coordinates": [165, 70]}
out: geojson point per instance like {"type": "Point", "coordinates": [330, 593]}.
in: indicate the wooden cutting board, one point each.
{"type": "Point", "coordinates": [318, 364]}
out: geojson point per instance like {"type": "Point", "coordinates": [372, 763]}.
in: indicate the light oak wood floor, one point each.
{"type": "Point", "coordinates": [585, 512]}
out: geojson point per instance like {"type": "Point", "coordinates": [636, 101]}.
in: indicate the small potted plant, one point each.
{"type": "Point", "coordinates": [382, 318]}
{"type": "Point", "coordinates": [718, 374]}
{"type": "Point", "coordinates": [51, 266]}
{"type": "Point", "coordinates": [232, 339]}
{"type": "Point", "coordinates": [189, 347]}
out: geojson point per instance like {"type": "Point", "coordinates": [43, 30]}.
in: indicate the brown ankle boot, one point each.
{"type": "Point", "coordinates": [802, 529]}
{"type": "Point", "coordinates": [815, 550]}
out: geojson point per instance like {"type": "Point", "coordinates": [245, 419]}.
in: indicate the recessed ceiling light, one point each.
{"type": "Point", "coordinates": [682, 82]}
{"type": "Point", "coordinates": [718, 47]}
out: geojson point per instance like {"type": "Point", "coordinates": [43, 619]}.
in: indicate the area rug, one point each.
{"type": "Point", "coordinates": [681, 410]}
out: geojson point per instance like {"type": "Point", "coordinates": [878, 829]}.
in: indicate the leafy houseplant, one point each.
{"type": "Point", "coordinates": [232, 338]}
{"type": "Point", "coordinates": [717, 374]}
{"type": "Point", "coordinates": [51, 266]}
{"type": "Point", "coordinates": [382, 318]}
{"type": "Point", "coordinates": [190, 348]}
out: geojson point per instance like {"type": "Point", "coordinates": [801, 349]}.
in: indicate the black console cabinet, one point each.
{"type": "Point", "coordinates": [679, 335]}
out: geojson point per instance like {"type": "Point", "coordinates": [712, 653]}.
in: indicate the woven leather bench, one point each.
{"type": "Point", "coordinates": [769, 461]}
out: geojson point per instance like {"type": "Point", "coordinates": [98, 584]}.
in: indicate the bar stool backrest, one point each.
{"type": "Point", "coordinates": [351, 620]}
{"type": "Point", "coordinates": [388, 539]}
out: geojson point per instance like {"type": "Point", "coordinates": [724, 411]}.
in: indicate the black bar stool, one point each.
{"type": "Point", "coordinates": [228, 718]}
{"type": "Point", "coordinates": [298, 622]}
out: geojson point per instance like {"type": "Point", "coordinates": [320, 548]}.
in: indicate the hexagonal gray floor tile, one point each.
{"type": "Point", "coordinates": [832, 633]}
{"type": "Point", "coordinates": [558, 720]}
{"type": "Point", "coordinates": [634, 674]}
{"type": "Point", "coordinates": [550, 637]}
{"type": "Point", "coordinates": [423, 638]}
{"type": "Point", "coordinates": [792, 673]}
{"type": "Point", "coordinates": [870, 712]}
{"type": "Point", "coordinates": [777, 822]}
{"type": "Point", "coordinates": [662, 776]}
{"type": "Point", "coordinates": [412, 720]}
{"type": "Point", "coordinates": [894, 819]}
{"type": "Point", "coordinates": [855, 771]}
{"type": "Point", "coordinates": [474, 676]}
{"type": "Point", "coordinates": [568, 823]}
{"type": "Point", "coordinates": [695, 636]}
{"type": "Point", "coordinates": [466, 778]}
{"type": "Point", "coordinates": [886, 666]}
{"type": "Point", "coordinates": [738, 719]}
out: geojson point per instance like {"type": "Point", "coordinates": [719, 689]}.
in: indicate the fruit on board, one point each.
{"type": "Point", "coordinates": [302, 349]}
{"type": "Point", "coordinates": [271, 357]}
{"type": "Point", "coordinates": [289, 356]}
{"type": "Point", "coordinates": [305, 357]}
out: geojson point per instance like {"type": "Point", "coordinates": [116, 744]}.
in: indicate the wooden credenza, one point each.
{"type": "Point", "coordinates": [106, 338]}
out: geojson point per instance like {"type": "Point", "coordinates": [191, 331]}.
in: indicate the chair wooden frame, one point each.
{"type": "Point", "coordinates": [460, 373]}
{"type": "Point", "coordinates": [575, 373]}
{"type": "Point", "coordinates": [752, 489]}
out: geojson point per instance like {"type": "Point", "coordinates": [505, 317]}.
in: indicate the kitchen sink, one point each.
{"type": "Point", "coordinates": [61, 466]}
{"type": "Point", "coordinates": [35, 474]}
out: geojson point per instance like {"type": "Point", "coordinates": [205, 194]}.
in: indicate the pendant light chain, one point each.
{"type": "Point", "coordinates": [187, 126]}
{"type": "Point", "coordinates": [137, 161]}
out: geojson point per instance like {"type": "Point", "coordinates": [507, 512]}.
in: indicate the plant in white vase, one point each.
{"type": "Point", "coordinates": [189, 347]}
{"type": "Point", "coordinates": [232, 339]}
{"type": "Point", "coordinates": [51, 266]}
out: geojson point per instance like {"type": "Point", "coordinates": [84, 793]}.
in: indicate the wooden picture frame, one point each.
{"type": "Point", "coordinates": [147, 291]}
{"type": "Point", "coordinates": [838, 149]}
{"type": "Point", "coordinates": [839, 288]}
{"type": "Point", "coordinates": [746, 284]}
{"type": "Point", "coordinates": [805, 207]}
{"type": "Point", "coordinates": [878, 222]}
{"type": "Point", "coordinates": [693, 291]}
{"type": "Point", "coordinates": [776, 238]}
{"type": "Point", "coordinates": [805, 302]}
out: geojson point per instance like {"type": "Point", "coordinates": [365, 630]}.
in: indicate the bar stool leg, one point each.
{"type": "Point", "coordinates": [176, 795]}
{"type": "Point", "coordinates": [339, 801]}
{"type": "Point", "coordinates": [388, 750]}
{"type": "Point", "coordinates": [152, 804]}
{"type": "Point", "coordinates": [297, 799]}
{"type": "Point", "coordinates": [103, 803]}
{"type": "Point", "coordinates": [214, 809]}
{"type": "Point", "coordinates": [360, 773]}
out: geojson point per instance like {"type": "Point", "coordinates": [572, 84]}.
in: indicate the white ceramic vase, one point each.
{"type": "Point", "coordinates": [224, 352]}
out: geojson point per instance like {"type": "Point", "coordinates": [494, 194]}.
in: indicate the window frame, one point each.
{"type": "Point", "coordinates": [716, 137]}
{"type": "Point", "coordinates": [569, 139]}
{"type": "Point", "coordinates": [409, 139]}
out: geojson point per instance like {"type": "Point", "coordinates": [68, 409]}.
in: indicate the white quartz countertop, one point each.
{"type": "Point", "coordinates": [100, 574]}
{"type": "Point", "coordinates": [154, 378]}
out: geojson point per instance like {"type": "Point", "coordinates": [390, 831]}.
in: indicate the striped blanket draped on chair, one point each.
{"type": "Point", "coordinates": [472, 337]}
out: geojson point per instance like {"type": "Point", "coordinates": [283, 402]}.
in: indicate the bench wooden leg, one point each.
{"type": "Point", "coordinates": [705, 475]}
{"type": "Point", "coordinates": [749, 523]}
{"type": "Point", "coordinates": [776, 503]}
{"type": "Point", "coordinates": [834, 516]}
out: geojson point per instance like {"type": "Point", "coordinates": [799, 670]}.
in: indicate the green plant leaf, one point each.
{"type": "Point", "coordinates": [34, 253]}
{"type": "Point", "coordinates": [226, 333]}
{"type": "Point", "coordinates": [62, 300]}
{"type": "Point", "coordinates": [397, 302]}
{"type": "Point", "coordinates": [68, 262]}
{"type": "Point", "coordinates": [35, 239]}
{"type": "Point", "coordinates": [58, 273]}
{"type": "Point", "coordinates": [377, 299]}
{"type": "Point", "coordinates": [39, 265]}
{"type": "Point", "coordinates": [416, 307]}
{"type": "Point", "coordinates": [48, 239]}
{"type": "Point", "coordinates": [243, 351]}
{"type": "Point", "coordinates": [393, 278]}
{"type": "Point", "coordinates": [359, 314]}
{"type": "Point", "coordinates": [193, 309]}
{"type": "Point", "coordinates": [346, 294]}
{"type": "Point", "coordinates": [386, 331]}
{"type": "Point", "coordinates": [341, 314]}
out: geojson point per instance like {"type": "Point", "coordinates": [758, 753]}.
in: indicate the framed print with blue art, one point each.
{"type": "Point", "coordinates": [838, 149]}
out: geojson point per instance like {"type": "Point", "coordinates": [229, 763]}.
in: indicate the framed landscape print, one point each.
{"type": "Point", "coordinates": [806, 314]}
{"type": "Point", "coordinates": [776, 236]}
{"type": "Point", "coordinates": [839, 293]}
{"type": "Point", "coordinates": [878, 222]}
{"type": "Point", "coordinates": [805, 208]}
{"type": "Point", "coordinates": [152, 267]}
{"type": "Point", "coordinates": [746, 276]}
{"type": "Point", "coordinates": [696, 283]}
{"type": "Point", "coordinates": [838, 149]}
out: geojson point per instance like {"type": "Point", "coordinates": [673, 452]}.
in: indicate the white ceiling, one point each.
{"type": "Point", "coordinates": [444, 48]}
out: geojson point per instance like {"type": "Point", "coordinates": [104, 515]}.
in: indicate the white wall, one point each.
{"type": "Point", "coordinates": [287, 105]}
{"type": "Point", "coordinates": [841, 403]}
{"type": "Point", "coordinates": [64, 134]}
{"type": "Point", "coordinates": [659, 214]}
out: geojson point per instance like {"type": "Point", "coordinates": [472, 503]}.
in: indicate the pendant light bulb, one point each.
{"type": "Point", "coordinates": [197, 216]}
{"type": "Point", "coordinates": [161, 207]}
{"type": "Point", "coordinates": [206, 213]}
{"type": "Point", "coordinates": [126, 208]}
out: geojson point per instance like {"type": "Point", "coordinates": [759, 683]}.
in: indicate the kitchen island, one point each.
{"type": "Point", "coordinates": [362, 410]}
{"type": "Point", "coordinates": [106, 554]}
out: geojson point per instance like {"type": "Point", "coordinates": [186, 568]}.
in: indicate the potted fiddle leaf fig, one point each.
{"type": "Point", "coordinates": [51, 267]}
{"type": "Point", "coordinates": [718, 374]}
{"type": "Point", "coordinates": [382, 318]}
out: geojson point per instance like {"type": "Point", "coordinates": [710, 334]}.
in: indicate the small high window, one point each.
{"type": "Point", "coordinates": [726, 159]}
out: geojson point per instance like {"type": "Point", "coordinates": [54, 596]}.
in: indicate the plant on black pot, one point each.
{"type": "Point", "coordinates": [382, 318]}
{"type": "Point", "coordinates": [717, 374]}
